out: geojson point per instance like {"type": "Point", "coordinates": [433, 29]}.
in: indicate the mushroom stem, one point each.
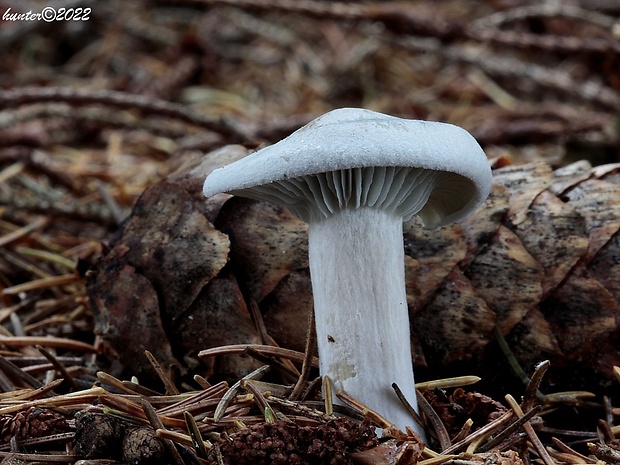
{"type": "Point", "coordinates": [362, 322]}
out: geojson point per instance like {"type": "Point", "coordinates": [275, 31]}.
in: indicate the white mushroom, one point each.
{"type": "Point", "coordinates": [354, 176]}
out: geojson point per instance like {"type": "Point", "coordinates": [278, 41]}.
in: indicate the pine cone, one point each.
{"type": "Point", "coordinates": [98, 435]}
{"type": "Point", "coordinates": [141, 446]}
{"type": "Point", "coordinates": [539, 262]}
{"type": "Point", "coordinates": [32, 423]}
{"type": "Point", "coordinates": [101, 436]}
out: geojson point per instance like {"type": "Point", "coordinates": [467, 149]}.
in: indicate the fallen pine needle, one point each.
{"type": "Point", "coordinates": [42, 283]}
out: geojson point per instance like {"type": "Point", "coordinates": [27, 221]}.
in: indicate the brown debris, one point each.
{"type": "Point", "coordinates": [509, 457]}
{"type": "Point", "coordinates": [606, 453]}
{"type": "Point", "coordinates": [455, 409]}
{"type": "Point", "coordinates": [392, 451]}
{"type": "Point", "coordinates": [286, 443]}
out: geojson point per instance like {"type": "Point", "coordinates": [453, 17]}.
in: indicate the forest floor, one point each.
{"type": "Point", "coordinates": [111, 97]}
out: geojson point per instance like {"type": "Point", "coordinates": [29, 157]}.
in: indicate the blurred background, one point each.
{"type": "Point", "coordinates": [530, 79]}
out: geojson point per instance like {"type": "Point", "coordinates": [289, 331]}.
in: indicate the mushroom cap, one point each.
{"type": "Point", "coordinates": [350, 158]}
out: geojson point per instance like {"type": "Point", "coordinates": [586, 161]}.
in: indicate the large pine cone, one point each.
{"type": "Point", "coordinates": [540, 261]}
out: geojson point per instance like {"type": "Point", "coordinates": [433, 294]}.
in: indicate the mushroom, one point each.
{"type": "Point", "coordinates": [354, 176]}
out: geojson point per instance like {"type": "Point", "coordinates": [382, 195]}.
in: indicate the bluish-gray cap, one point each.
{"type": "Point", "coordinates": [353, 158]}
